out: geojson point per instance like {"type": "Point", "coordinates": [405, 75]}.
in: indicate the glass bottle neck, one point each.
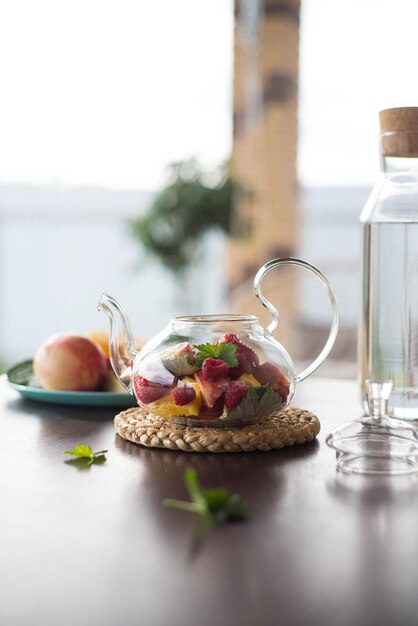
{"type": "Point", "coordinates": [403, 168]}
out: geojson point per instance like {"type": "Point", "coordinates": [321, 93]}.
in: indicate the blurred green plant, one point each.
{"type": "Point", "coordinates": [193, 203]}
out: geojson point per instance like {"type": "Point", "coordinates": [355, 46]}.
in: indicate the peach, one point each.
{"type": "Point", "coordinates": [70, 363]}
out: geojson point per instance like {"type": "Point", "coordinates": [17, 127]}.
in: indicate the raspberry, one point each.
{"type": "Point", "coordinates": [146, 391]}
{"type": "Point", "coordinates": [247, 358]}
{"type": "Point", "coordinates": [183, 395]}
{"type": "Point", "coordinates": [230, 338]}
{"type": "Point", "coordinates": [235, 393]}
{"type": "Point", "coordinates": [214, 369]}
{"type": "Point", "coordinates": [269, 374]}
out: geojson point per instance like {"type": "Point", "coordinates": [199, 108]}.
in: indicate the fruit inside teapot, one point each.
{"type": "Point", "coordinates": [229, 379]}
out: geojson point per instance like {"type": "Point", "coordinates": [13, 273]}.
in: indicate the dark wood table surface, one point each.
{"type": "Point", "coordinates": [96, 547]}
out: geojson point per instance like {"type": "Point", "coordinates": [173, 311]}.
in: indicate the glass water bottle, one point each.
{"type": "Point", "coordinates": [388, 334]}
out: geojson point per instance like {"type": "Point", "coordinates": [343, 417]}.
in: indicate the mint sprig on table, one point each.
{"type": "Point", "coordinates": [259, 402]}
{"type": "Point", "coordinates": [84, 452]}
{"type": "Point", "coordinates": [214, 505]}
{"type": "Point", "coordinates": [225, 351]}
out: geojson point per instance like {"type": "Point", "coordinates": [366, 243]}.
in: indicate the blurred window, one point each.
{"type": "Point", "coordinates": [356, 58]}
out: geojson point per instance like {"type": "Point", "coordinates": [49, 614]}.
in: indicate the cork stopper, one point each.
{"type": "Point", "coordinates": [399, 131]}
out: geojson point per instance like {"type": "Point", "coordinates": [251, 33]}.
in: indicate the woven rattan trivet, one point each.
{"type": "Point", "coordinates": [288, 427]}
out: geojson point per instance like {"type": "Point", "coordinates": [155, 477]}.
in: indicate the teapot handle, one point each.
{"type": "Point", "coordinates": [276, 317]}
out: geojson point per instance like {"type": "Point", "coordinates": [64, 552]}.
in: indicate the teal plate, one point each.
{"type": "Point", "coordinates": [22, 379]}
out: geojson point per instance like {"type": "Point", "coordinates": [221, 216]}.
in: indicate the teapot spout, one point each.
{"type": "Point", "coordinates": [121, 342]}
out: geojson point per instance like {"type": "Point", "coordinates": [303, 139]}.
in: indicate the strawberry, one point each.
{"type": "Point", "coordinates": [269, 374]}
{"type": "Point", "coordinates": [147, 391]}
{"type": "Point", "coordinates": [211, 390]}
{"type": "Point", "coordinates": [184, 349]}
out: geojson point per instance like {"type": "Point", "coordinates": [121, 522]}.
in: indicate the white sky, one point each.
{"type": "Point", "coordinates": [106, 93]}
{"type": "Point", "coordinates": [357, 57]}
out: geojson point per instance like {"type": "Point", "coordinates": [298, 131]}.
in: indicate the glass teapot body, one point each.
{"type": "Point", "coordinates": [222, 369]}
{"type": "Point", "coordinates": [212, 369]}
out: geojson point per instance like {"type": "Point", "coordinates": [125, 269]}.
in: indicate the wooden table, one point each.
{"type": "Point", "coordinates": [96, 547]}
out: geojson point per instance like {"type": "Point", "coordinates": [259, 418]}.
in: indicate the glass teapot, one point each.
{"type": "Point", "coordinates": [212, 369]}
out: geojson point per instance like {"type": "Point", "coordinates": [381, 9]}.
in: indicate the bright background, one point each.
{"type": "Point", "coordinates": [108, 92]}
{"type": "Point", "coordinates": [97, 98]}
{"type": "Point", "coordinates": [357, 58]}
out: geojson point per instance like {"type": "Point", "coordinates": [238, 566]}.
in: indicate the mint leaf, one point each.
{"type": "Point", "coordinates": [216, 498]}
{"type": "Point", "coordinates": [84, 452]}
{"type": "Point", "coordinates": [193, 487]}
{"type": "Point", "coordinates": [259, 402]}
{"type": "Point", "coordinates": [236, 508]}
{"type": "Point", "coordinates": [179, 366]}
{"type": "Point", "coordinates": [214, 505]}
{"type": "Point", "coordinates": [225, 351]}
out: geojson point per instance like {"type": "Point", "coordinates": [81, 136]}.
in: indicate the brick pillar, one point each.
{"type": "Point", "coordinates": [264, 150]}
